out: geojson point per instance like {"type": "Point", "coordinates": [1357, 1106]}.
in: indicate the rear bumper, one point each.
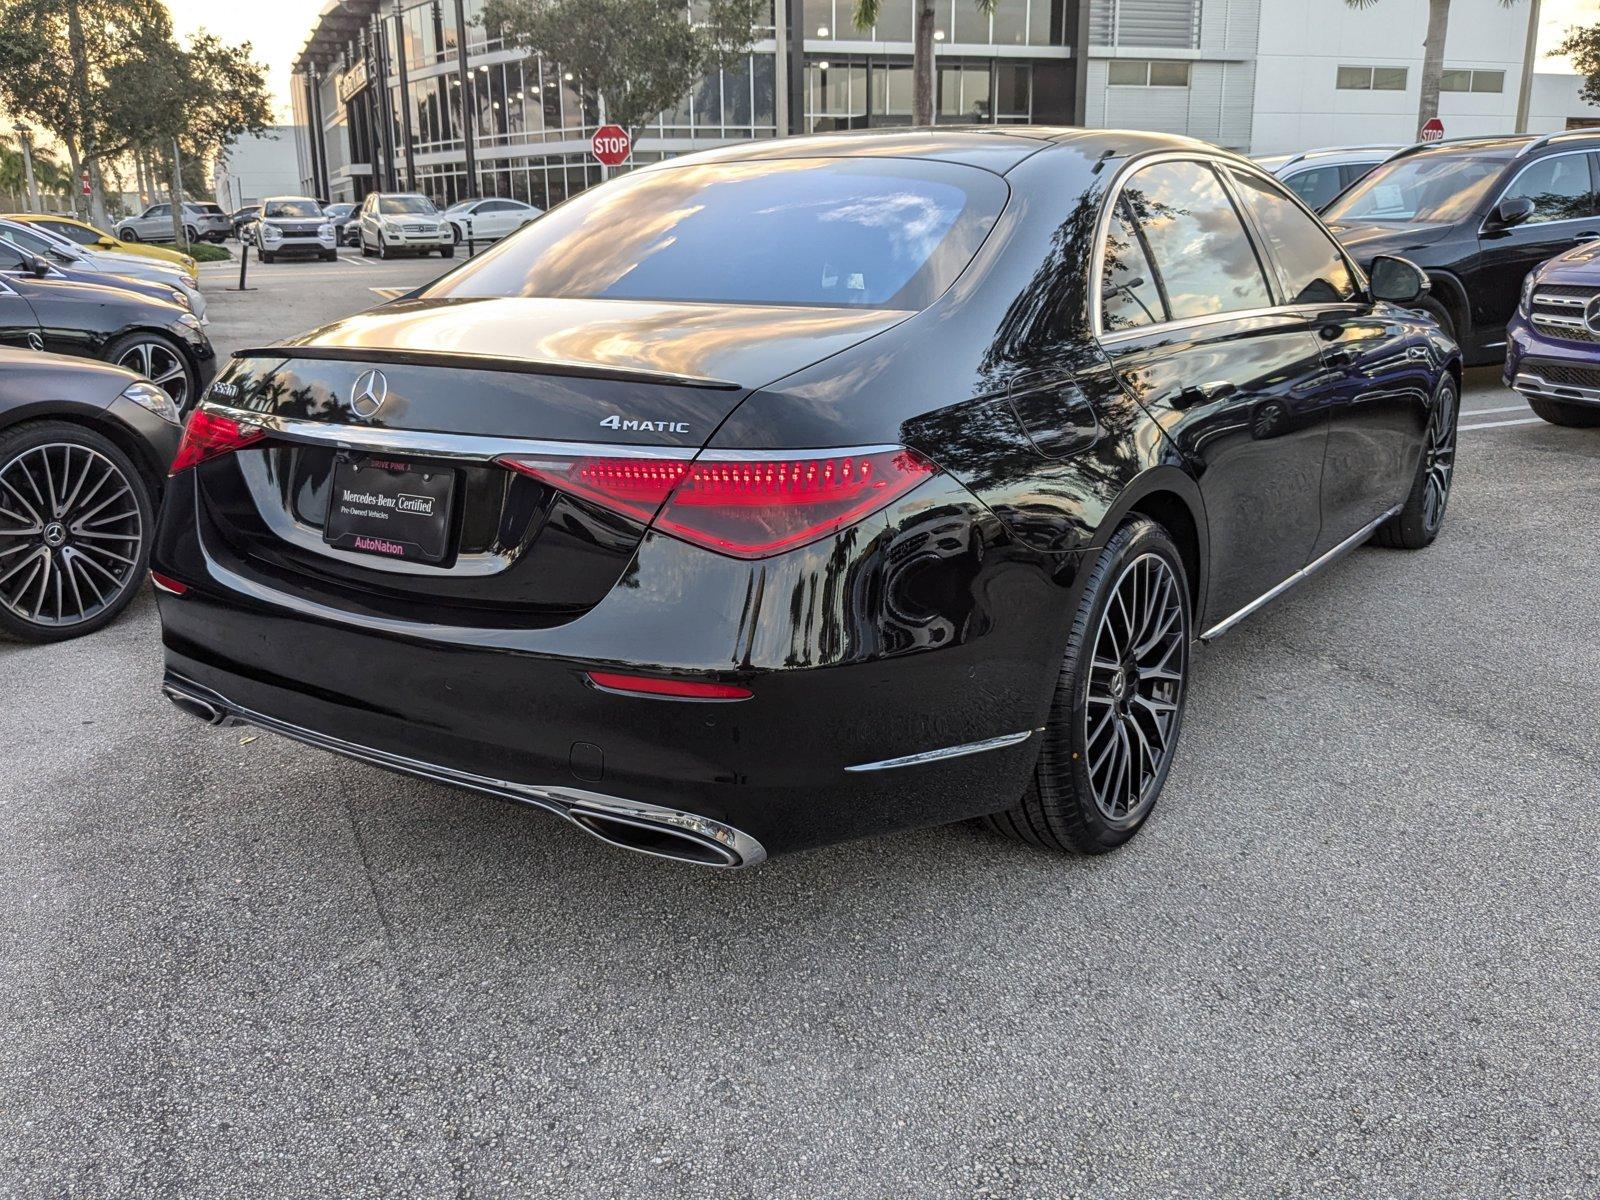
{"type": "Point", "coordinates": [862, 719]}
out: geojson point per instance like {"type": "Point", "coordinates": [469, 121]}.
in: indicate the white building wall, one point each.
{"type": "Point", "coordinates": [257, 166]}
{"type": "Point", "coordinates": [1303, 43]}
{"type": "Point", "coordinates": [1556, 105]}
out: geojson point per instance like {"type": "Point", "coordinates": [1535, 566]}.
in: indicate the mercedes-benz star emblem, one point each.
{"type": "Point", "coordinates": [1591, 314]}
{"type": "Point", "coordinates": [35, 342]}
{"type": "Point", "coordinates": [369, 393]}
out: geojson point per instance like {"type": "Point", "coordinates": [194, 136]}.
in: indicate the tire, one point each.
{"type": "Point", "coordinates": [383, 251]}
{"type": "Point", "coordinates": [1442, 315]}
{"type": "Point", "coordinates": [330, 256]}
{"type": "Point", "coordinates": [155, 355]}
{"type": "Point", "coordinates": [267, 256]}
{"type": "Point", "coordinates": [1580, 416]}
{"type": "Point", "coordinates": [91, 565]}
{"type": "Point", "coordinates": [191, 234]}
{"type": "Point", "coordinates": [366, 250]}
{"type": "Point", "coordinates": [1418, 523]}
{"type": "Point", "coordinates": [455, 234]}
{"type": "Point", "coordinates": [447, 252]}
{"type": "Point", "coordinates": [128, 235]}
{"type": "Point", "coordinates": [1072, 801]}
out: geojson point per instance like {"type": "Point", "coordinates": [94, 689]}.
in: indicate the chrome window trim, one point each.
{"type": "Point", "coordinates": [1263, 253]}
{"type": "Point", "coordinates": [1483, 226]}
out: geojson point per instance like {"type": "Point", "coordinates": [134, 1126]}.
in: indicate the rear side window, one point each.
{"type": "Point", "coordinates": [1561, 188]}
{"type": "Point", "coordinates": [1313, 270]}
{"type": "Point", "coordinates": [77, 233]}
{"type": "Point", "coordinates": [1198, 245]}
{"type": "Point", "coordinates": [816, 232]}
{"type": "Point", "coordinates": [1317, 186]}
{"type": "Point", "coordinates": [1129, 296]}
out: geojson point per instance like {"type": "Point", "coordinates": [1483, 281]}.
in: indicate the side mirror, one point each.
{"type": "Point", "coordinates": [105, 244]}
{"type": "Point", "coordinates": [37, 266]}
{"type": "Point", "coordinates": [1397, 280]}
{"type": "Point", "coordinates": [1511, 212]}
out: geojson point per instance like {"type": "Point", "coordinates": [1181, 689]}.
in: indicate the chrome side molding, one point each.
{"type": "Point", "coordinates": [927, 756]}
{"type": "Point", "coordinates": [1300, 576]}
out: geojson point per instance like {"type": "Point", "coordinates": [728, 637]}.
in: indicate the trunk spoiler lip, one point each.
{"type": "Point", "coordinates": [487, 362]}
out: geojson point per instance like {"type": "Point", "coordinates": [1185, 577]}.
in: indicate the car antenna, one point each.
{"type": "Point", "coordinates": [1101, 161]}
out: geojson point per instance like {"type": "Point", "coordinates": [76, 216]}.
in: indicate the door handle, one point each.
{"type": "Point", "coordinates": [1338, 358]}
{"type": "Point", "coordinates": [1588, 235]}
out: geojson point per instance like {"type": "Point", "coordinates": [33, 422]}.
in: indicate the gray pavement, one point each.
{"type": "Point", "coordinates": [1354, 953]}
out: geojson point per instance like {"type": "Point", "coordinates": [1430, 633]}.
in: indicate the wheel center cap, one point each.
{"type": "Point", "coordinates": [1119, 684]}
{"type": "Point", "coordinates": [55, 534]}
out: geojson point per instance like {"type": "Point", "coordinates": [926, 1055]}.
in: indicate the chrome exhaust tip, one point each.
{"type": "Point", "coordinates": [196, 707]}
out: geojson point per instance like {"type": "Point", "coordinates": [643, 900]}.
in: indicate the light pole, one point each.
{"type": "Point", "coordinates": [25, 136]}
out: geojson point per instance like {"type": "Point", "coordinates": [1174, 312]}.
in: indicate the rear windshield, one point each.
{"type": "Point", "coordinates": [1427, 188]}
{"type": "Point", "coordinates": [815, 232]}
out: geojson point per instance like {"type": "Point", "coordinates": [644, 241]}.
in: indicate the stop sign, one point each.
{"type": "Point", "coordinates": [610, 144]}
{"type": "Point", "coordinates": [83, 181]}
{"type": "Point", "coordinates": [1433, 131]}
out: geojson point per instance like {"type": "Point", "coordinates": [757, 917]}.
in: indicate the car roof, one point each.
{"type": "Point", "coordinates": [1376, 152]}
{"type": "Point", "coordinates": [1506, 146]}
{"type": "Point", "coordinates": [275, 199]}
{"type": "Point", "coordinates": [997, 148]}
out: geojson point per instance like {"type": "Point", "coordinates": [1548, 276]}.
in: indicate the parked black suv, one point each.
{"type": "Point", "coordinates": [1477, 214]}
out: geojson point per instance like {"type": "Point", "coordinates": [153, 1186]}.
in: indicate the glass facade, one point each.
{"type": "Point", "coordinates": [531, 122]}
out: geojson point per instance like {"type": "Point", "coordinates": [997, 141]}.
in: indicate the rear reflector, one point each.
{"type": "Point", "coordinates": [207, 435]}
{"type": "Point", "coordinates": [680, 689]}
{"type": "Point", "coordinates": [166, 583]}
{"type": "Point", "coordinates": [749, 507]}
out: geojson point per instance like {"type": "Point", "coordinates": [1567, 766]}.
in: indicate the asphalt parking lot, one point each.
{"type": "Point", "coordinates": [1352, 954]}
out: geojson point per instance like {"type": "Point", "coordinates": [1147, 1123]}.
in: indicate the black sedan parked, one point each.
{"type": "Point", "coordinates": [84, 449]}
{"type": "Point", "coordinates": [807, 489]}
{"type": "Point", "coordinates": [161, 340]}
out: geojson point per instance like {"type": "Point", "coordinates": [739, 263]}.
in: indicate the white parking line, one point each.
{"type": "Point", "coordinates": [1484, 412]}
{"type": "Point", "coordinates": [357, 260]}
{"type": "Point", "coordinates": [1498, 424]}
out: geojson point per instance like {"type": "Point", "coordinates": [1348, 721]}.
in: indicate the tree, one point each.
{"type": "Point", "coordinates": [1432, 54]}
{"type": "Point", "coordinates": [639, 57]}
{"type": "Point", "coordinates": [1582, 44]}
{"type": "Point", "coordinates": [865, 16]}
{"type": "Point", "coordinates": [55, 56]}
{"type": "Point", "coordinates": [48, 174]}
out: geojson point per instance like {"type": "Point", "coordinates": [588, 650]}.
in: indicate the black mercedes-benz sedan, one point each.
{"type": "Point", "coordinates": [84, 448]}
{"type": "Point", "coordinates": [807, 489]}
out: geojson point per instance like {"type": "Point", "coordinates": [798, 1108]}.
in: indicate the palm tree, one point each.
{"type": "Point", "coordinates": [1432, 54]}
{"type": "Point", "coordinates": [865, 16]}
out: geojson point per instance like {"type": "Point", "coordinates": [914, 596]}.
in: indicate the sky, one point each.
{"type": "Point", "coordinates": [278, 40]}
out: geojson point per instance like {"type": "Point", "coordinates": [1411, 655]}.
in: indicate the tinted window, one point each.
{"type": "Point", "coordinates": [1426, 187]}
{"type": "Point", "coordinates": [1199, 245]}
{"type": "Point", "coordinates": [84, 237]}
{"type": "Point", "coordinates": [1560, 187]}
{"type": "Point", "coordinates": [10, 257]}
{"type": "Point", "coordinates": [835, 232]}
{"type": "Point", "coordinates": [1317, 186]}
{"type": "Point", "coordinates": [160, 210]}
{"type": "Point", "coordinates": [28, 240]}
{"type": "Point", "coordinates": [1128, 293]}
{"type": "Point", "coordinates": [1313, 270]}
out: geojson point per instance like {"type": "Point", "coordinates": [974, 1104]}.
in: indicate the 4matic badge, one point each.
{"type": "Point", "coordinates": [616, 422]}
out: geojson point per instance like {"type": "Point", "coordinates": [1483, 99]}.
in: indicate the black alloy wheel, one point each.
{"type": "Point", "coordinates": [1418, 523]}
{"type": "Point", "coordinates": [158, 360]}
{"type": "Point", "coordinates": [1118, 708]}
{"type": "Point", "coordinates": [455, 234]}
{"type": "Point", "coordinates": [128, 235]}
{"type": "Point", "coordinates": [1581, 416]}
{"type": "Point", "coordinates": [75, 523]}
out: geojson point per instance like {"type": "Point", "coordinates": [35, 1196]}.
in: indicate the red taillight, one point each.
{"type": "Point", "coordinates": [166, 583]}
{"type": "Point", "coordinates": [207, 435]}
{"type": "Point", "coordinates": [746, 506]}
{"type": "Point", "coordinates": [680, 689]}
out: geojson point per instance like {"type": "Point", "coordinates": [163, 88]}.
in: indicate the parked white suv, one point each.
{"type": "Point", "coordinates": [392, 222]}
{"type": "Point", "coordinates": [488, 220]}
{"type": "Point", "coordinates": [293, 225]}
{"type": "Point", "coordinates": [1317, 176]}
{"type": "Point", "coordinates": [154, 224]}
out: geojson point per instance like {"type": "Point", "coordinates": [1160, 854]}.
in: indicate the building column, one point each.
{"type": "Point", "coordinates": [319, 140]}
{"type": "Point", "coordinates": [1079, 16]}
{"type": "Point", "coordinates": [795, 66]}
{"type": "Point", "coordinates": [468, 136]}
{"type": "Point", "coordinates": [405, 98]}
{"type": "Point", "coordinates": [385, 108]}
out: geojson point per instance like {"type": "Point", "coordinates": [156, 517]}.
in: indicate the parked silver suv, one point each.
{"type": "Point", "coordinates": [1317, 176]}
{"type": "Point", "coordinates": [293, 225]}
{"type": "Point", "coordinates": [200, 223]}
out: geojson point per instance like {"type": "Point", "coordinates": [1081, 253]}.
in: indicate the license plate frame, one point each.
{"type": "Point", "coordinates": [391, 508]}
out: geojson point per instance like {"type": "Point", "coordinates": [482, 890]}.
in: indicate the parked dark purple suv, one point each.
{"type": "Point", "coordinates": [1553, 341]}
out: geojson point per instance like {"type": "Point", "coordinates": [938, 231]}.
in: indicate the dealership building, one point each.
{"type": "Point", "coordinates": [392, 94]}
